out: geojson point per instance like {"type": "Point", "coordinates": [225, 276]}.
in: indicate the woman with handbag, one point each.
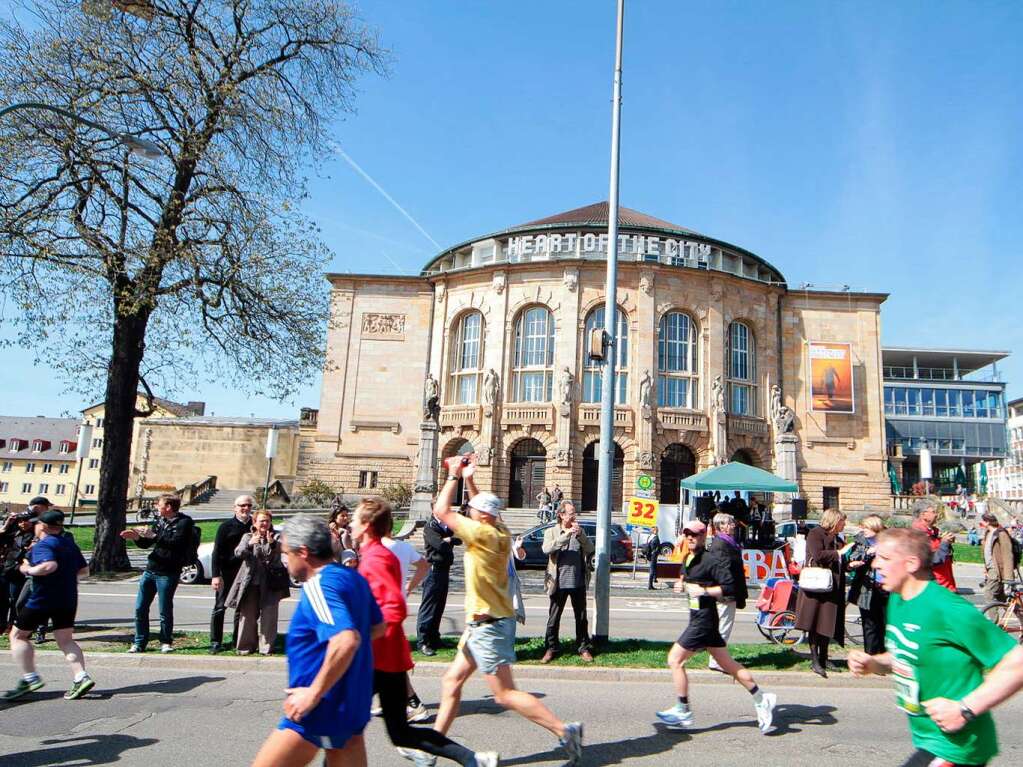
{"type": "Point", "coordinates": [262, 582]}
{"type": "Point", "coordinates": [820, 608]}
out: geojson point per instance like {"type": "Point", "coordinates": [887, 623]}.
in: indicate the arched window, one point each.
{"type": "Point", "coordinates": [466, 359]}
{"type": "Point", "coordinates": [677, 379]}
{"type": "Point", "coordinates": [742, 370]}
{"type": "Point", "coordinates": [533, 364]}
{"type": "Point", "coordinates": [593, 372]}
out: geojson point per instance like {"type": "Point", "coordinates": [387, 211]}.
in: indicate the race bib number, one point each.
{"type": "Point", "coordinates": [907, 689]}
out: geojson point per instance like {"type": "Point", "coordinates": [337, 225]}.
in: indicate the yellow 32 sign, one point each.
{"type": "Point", "coordinates": [643, 511]}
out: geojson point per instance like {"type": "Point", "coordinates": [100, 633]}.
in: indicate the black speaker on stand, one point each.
{"type": "Point", "coordinates": [705, 508]}
{"type": "Point", "coordinates": [799, 508]}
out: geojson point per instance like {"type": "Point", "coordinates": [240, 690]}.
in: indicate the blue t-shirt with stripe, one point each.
{"type": "Point", "coordinates": [336, 599]}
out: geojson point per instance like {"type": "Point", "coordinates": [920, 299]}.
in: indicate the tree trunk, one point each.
{"type": "Point", "coordinates": [109, 550]}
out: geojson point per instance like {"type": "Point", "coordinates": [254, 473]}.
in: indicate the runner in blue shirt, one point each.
{"type": "Point", "coordinates": [54, 563]}
{"type": "Point", "coordinates": [330, 657]}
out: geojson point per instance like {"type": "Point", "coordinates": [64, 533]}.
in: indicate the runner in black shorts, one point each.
{"type": "Point", "coordinates": [707, 577]}
{"type": "Point", "coordinates": [54, 563]}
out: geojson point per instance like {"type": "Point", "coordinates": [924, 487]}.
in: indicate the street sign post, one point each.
{"type": "Point", "coordinates": [643, 511]}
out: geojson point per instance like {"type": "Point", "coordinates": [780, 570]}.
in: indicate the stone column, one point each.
{"type": "Point", "coordinates": [785, 452]}
{"type": "Point", "coordinates": [425, 488]}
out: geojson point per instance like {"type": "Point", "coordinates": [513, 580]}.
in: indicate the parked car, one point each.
{"type": "Point", "coordinates": [201, 571]}
{"type": "Point", "coordinates": [532, 542]}
{"type": "Point", "coordinates": [787, 530]}
{"type": "Point", "coordinates": [643, 536]}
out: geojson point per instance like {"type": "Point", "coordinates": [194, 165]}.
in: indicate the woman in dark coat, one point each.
{"type": "Point", "coordinates": [866, 591]}
{"type": "Point", "coordinates": [822, 613]}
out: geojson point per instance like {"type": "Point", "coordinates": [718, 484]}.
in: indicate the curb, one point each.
{"type": "Point", "coordinates": [278, 664]}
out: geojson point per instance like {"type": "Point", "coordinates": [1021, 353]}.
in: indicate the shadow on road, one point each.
{"type": "Point", "coordinates": [172, 686]}
{"type": "Point", "coordinates": [86, 750]}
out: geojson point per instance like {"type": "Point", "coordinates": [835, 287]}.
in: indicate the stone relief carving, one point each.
{"type": "Point", "coordinates": [571, 279]}
{"type": "Point", "coordinates": [782, 417]}
{"type": "Point", "coordinates": [716, 291]}
{"type": "Point", "coordinates": [483, 456]}
{"type": "Point", "coordinates": [440, 288]}
{"type": "Point", "coordinates": [646, 393]}
{"type": "Point", "coordinates": [646, 459]}
{"type": "Point", "coordinates": [383, 325]}
{"type": "Point", "coordinates": [646, 283]}
{"type": "Point", "coordinates": [498, 282]}
{"type": "Point", "coordinates": [566, 382]}
{"type": "Point", "coordinates": [564, 456]}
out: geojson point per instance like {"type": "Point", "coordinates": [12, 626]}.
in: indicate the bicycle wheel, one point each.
{"type": "Point", "coordinates": [1006, 617]}
{"type": "Point", "coordinates": [764, 632]}
{"type": "Point", "coordinates": [782, 627]}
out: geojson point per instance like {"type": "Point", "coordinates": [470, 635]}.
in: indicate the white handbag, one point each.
{"type": "Point", "coordinates": [816, 579]}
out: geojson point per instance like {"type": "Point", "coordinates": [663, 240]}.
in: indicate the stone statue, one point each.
{"type": "Point", "coordinates": [431, 399]}
{"type": "Point", "coordinates": [718, 394]}
{"type": "Point", "coordinates": [782, 417]}
{"type": "Point", "coordinates": [491, 387]}
{"type": "Point", "coordinates": [565, 382]}
{"type": "Point", "coordinates": [775, 407]}
{"type": "Point", "coordinates": [646, 385]}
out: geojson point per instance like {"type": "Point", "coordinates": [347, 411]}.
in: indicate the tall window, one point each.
{"type": "Point", "coordinates": [742, 370]}
{"type": "Point", "coordinates": [592, 371]}
{"type": "Point", "coordinates": [466, 356]}
{"type": "Point", "coordinates": [676, 361]}
{"type": "Point", "coordinates": [533, 365]}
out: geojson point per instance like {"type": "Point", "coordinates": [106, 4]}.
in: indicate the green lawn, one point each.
{"type": "Point", "coordinates": [619, 653]}
{"type": "Point", "coordinates": [964, 552]}
{"type": "Point", "coordinates": [84, 535]}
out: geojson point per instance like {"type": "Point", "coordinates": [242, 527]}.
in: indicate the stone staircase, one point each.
{"type": "Point", "coordinates": [220, 501]}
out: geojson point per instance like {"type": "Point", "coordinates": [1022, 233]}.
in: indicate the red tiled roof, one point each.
{"type": "Point", "coordinates": [597, 214]}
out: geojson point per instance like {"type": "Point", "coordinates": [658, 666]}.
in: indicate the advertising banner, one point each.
{"type": "Point", "coordinates": [831, 378]}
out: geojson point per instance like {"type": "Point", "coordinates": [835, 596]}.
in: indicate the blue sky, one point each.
{"type": "Point", "coordinates": [869, 144]}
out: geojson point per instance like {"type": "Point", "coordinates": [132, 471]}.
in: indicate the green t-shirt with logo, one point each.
{"type": "Point", "coordinates": [940, 646]}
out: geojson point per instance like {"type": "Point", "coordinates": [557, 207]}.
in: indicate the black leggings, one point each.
{"type": "Point", "coordinates": [392, 687]}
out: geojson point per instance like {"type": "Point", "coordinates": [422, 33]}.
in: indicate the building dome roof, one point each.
{"type": "Point", "coordinates": [642, 237]}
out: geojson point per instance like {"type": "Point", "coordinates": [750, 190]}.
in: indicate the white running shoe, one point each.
{"type": "Point", "coordinates": [572, 742]}
{"type": "Point", "coordinates": [765, 712]}
{"type": "Point", "coordinates": [419, 758]}
{"type": "Point", "coordinates": [487, 759]}
{"type": "Point", "coordinates": [677, 717]}
{"type": "Point", "coordinates": [166, 648]}
{"type": "Point", "coordinates": [417, 714]}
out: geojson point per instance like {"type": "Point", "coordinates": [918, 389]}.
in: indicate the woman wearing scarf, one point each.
{"type": "Point", "coordinates": [725, 546]}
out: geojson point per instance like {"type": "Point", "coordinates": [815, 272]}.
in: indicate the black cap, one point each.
{"type": "Point", "coordinates": [40, 500]}
{"type": "Point", "coordinates": [52, 517]}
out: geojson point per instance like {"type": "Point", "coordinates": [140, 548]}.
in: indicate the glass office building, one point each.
{"type": "Point", "coordinates": [951, 400]}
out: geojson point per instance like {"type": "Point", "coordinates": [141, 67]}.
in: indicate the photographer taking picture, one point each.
{"type": "Point", "coordinates": [16, 537]}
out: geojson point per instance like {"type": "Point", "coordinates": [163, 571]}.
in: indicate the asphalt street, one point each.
{"type": "Point", "coordinates": [635, 612]}
{"type": "Point", "coordinates": [171, 715]}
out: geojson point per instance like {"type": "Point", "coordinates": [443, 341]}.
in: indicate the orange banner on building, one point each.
{"type": "Point", "coordinates": [831, 378]}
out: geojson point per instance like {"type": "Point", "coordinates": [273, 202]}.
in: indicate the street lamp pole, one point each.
{"type": "Point", "coordinates": [139, 146]}
{"type": "Point", "coordinates": [271, 452]}
{"type": "Point", "coordinates": [81, 451]}
{"type": "Point", "coordinates": [607, 392]}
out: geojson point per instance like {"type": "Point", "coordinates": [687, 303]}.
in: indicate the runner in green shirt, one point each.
{"type": "Point", "coordinates": [939, 646]}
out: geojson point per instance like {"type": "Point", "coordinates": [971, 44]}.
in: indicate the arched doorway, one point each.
{"type": "Point", "coordinates": [591, 472]}
{"type": "Point", "coordinates": [453, 448]}
{"type": "Point", "coordinates": [528, 473]}
{"type": "Point", "coordinates": [677, 463]}
{"type": "Point", "coordinates": [743, 456]}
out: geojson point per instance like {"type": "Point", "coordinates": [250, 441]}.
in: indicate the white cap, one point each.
{"type": "Point", "coordinates": [488, 503]}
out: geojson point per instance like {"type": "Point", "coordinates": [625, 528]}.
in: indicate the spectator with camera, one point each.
{"type": "Point", "coordinates": [261, 584]}
{"type": "Point", "coordinates": [16, 537]}
{"type": "Point", "coordinates": [172, 538]}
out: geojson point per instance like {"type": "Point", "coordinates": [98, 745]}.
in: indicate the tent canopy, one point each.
{"type": "Point", "coordinates": [739, 476]}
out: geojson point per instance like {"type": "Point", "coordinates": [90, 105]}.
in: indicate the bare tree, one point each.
{"type": "Point", "coordinates": [129, 273]}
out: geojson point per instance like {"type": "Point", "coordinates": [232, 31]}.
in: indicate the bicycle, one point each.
{"type": "Point", "coordinates": [1008, 615]}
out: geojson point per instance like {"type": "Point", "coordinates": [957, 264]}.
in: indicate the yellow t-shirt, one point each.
{"type": "Point", "coordinates": [487, 551]}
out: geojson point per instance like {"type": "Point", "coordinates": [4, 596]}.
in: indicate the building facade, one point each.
{"type": "Point", "coordinates": [952, 402]}
{"type": "Point", "coordinates": [717, 360]}
{"type": "Point", "coordinates": [1005, 477]}
{"type": "Point", "coordinates": [37, 457]}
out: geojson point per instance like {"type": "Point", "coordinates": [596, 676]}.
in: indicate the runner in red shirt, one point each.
{"type": "Point", "coordinates": [392, 657]}
{"type": "Point", "coordinates": [941, 545]}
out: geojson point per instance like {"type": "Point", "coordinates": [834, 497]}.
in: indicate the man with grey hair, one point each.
{"type": "Point", "coordinates": [225, 565]}
{"type": "Point", "coordinates": [725, 546]}
{"type": "Point", "coordinates": [330, 660]}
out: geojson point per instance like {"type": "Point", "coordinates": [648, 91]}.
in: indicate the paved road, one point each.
{"type": "Point", "coordinates": [635, 612]}
{"type": "Point", "coordinates": [158, 716]}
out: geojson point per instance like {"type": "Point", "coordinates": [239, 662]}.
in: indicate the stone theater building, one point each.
{"type": "Point", "coordinates": [718, 359]}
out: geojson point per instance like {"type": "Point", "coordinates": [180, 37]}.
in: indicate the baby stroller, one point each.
{"type": "Point", "coordinates": [776, 616]}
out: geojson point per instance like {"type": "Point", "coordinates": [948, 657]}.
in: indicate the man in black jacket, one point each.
{"type": "Point", "coordinates": [224, 565]}
{"type": "Point", "coordinates": [440, 545]}
{"type": "Point", "coordinates": [171, 540]}
{"type": "Point", "coordinates": [725, 545]}
{"type": "Point", "coordinates": [16, 536]}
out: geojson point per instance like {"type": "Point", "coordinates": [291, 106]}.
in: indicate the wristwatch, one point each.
{"type": "Point", "coordinates": [967, 712]}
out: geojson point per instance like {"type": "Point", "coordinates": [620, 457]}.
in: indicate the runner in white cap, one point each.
{"type": "Point", "coordinates": [489, 639]}
{"type": "Point", "coordinates": [706, 577]}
